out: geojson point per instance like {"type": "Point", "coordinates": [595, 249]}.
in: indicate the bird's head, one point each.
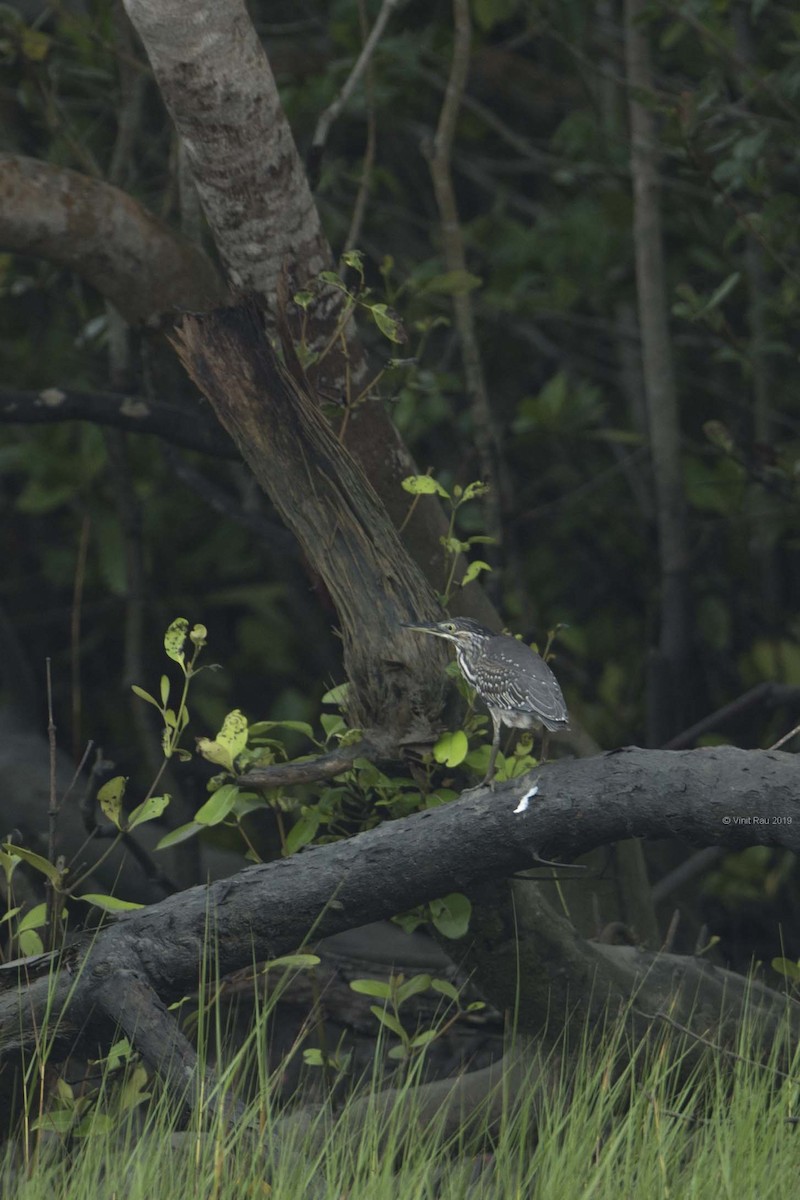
{"type": "Point", "coordinates": [462, 631]}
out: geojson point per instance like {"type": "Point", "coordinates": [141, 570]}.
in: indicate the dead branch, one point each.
{"type": "Point", "coordinates": [712, 796]}
{"type": "Point", "coordinates": [191, 429]}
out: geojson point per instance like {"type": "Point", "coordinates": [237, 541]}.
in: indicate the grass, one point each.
{"type": "Point", "coordinates": [661, 1118]}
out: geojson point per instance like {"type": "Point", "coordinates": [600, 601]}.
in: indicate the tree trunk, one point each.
{"type": "Point", "coordinates": [221, 94]}
{"type": "Point", "coordinates": [397, 681]}
{"type": "Point", "coordinates": [668, 668]}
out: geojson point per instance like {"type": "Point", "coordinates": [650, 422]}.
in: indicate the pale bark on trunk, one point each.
{"type": "Point", "coordinates": [220, 91]}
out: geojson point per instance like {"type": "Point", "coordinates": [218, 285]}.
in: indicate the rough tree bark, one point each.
{"type": "Point", "coordinates": [221, 94]}
{"type": "Point", "coordinates": [338, 519]}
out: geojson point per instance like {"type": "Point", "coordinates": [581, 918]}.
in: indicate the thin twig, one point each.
{"type": "Point", "coordinates": [333, 110]}
{"type": "Point", "coordinates": [365, 183]}
{"type": "Point", "coordinates": [439, 156]}
{"type": "Point", "coordinates": [52, 808]}
{"type": "Point", "coordinates": [51, 887]}
{"type": "Point", "coordinates": [786, 737]}
{"type": "Point", "coordinates": [766, 695]}
{"type": "Point", "coordinates": [696, 1037]}
{"type": "Point", "coordinates": [75, 632]}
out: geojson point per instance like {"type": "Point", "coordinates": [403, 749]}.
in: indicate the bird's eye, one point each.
{"type": "Point", "coordinates": [450, 627]}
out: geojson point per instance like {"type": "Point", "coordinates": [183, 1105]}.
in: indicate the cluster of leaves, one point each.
{"type": "Point", "coordinates": [453, 546]}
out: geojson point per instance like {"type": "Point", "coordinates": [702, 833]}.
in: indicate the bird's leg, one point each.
{"type": "Point", "coordinates": [545, 745]}
{"type": "Point", "coordinates": [489, 778]}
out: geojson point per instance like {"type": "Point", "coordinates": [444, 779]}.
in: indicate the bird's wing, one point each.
{"type": "Point", "coordinates": [515, 678]}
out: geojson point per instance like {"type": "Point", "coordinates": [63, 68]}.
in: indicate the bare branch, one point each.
{"type": "Point", "coordinates": [132, 258]}
{"type": "Point", "coordinates": [718, 795]}
{"type": "Point", "coordinates": [328, 766]}
{"type": "Point", "coordinates": [487, 438]}
{"type": "Point", "coordinates": [334, 109]}
{"type": "Point", "coordinates": [194, 430]}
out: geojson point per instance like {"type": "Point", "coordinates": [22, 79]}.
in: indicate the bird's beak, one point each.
{"type": "Point", "coordinates": [431, 628]}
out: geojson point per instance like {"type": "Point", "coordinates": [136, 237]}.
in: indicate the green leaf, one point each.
{"type": "Point", "coordinates": [34, 45]}
{"type": "Point", "coordinates": [121, 1052]}
{"type": "Point", "coordinates": [108, 903]}
{"type": "Point", "coordinates": [148, 810]}
{"type": "Point", "coordinates": [302, 832]}
{"type": "Point", "coordinates": [388, 1019]}
{"type": "Point", "coordinates": [412, 987]}
{"type": "Point", "coordinates": [333, 279]}
{"type": "Point", "coordinates": [247, 802]}
{"type": "Point", "coordinates": [473, 571]}
{"type": "Point", "coordinates": [176, 836]}
{"type": "Point", "coordinates": [303, 962]}
{"type": "Point", "coordinates": [389, 323]}
{"type": "Point", "coordinates": [446, 988]}
{"type": "Point", "coordinates": [424, 485]}
{"type": "Point", "coordinates": [474, 489]}
{"type": "Point", "coordinates": [110, 799]}
{"type": "Point", "coordinates": [313, 1057]}
{"type": "Point", "coordinates": [34, 919]}
{"type": "Point", "coordinates": [233, 735]}
{"type": "Point", "coordinates": [354, 259]}
{"type": "Point", "coordinates": [260, 727]}
{"type": "Point", "coordinates": [30, 943]}
{"type": "Point", "coordinates": [423, 1039]}
{"type": "Point", "coordinates": [36, 861]}
{"type": "Point", "coordinates": [143, 695]}
{"type": "Point", "coordinates": [371, 987]}
{"type": "Point", "coordinates": [174, 639]}
{"type": "Point", "coordinates": [787, 968]}
{"type": "Point", "coordinates": [451, 748]}
{"type": "Point", "coordinates": [331, 724]}
{"type": "Point", "coordinates": [164, 690]}
{"type": "Point", "coordinates": [337, 695]}
{"type": "Point", "coordinates": [451, 915]}
{"type": "Point", "coordinates": [57, 1120]}
{"type": "Point", "coordinates": [8, 864]}
{"type": "Point", "coordinates": [218, 806]}
{"type": "Point", "coordinates": [453, 283]}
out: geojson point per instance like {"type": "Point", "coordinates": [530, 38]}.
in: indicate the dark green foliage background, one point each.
{"type": "Point", "coordinates": [541, 168]}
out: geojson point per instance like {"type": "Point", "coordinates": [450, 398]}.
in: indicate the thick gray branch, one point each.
{"type": "Point", "coordinates": [216, 82]}
{"type": "Point", "coordinates": [712, 796]}
{"type": "Point", "coordinates": [132, 258]}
